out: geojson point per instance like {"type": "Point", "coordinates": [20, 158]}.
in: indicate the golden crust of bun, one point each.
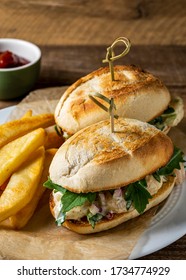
{"type": "Point", "coordinates": [95, 159]}
{"type": "Point", "coordinates": [105, 224]}
{"type": "Point", "coordinates": [137, 94]}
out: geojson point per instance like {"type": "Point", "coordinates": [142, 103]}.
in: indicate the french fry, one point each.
{"type": "Point", "coordinates": [3, 186]}
{"type": "Point", "coordinates": [22, 186]}
{"type": "Point", "coordinates": [53, 140]}
{"type": "Point", "coordinates": [16, 152]}
{"type": "Point", "coordinates": [11, 130]}
{"type": "Point", "coordinates": [21, 218]}
{"type": "Point", "coordinates": [27, 114]}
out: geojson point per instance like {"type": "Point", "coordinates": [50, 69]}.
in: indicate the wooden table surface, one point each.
{"type": "Point", "coordinates": [73, 36]}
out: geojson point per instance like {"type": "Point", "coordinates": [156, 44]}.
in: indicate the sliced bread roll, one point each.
{"type": "Point", "coordinates": [96, 162]}
{"type": "Point", "coordinates": [95, 159]}
{"type": "Point", "coordinates": [137, 94]}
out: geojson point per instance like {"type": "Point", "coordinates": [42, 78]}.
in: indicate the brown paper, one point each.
{"type": "Point", "coordinates": [42, 239]}
{"type": "Point", "coordinates": [40, 101]}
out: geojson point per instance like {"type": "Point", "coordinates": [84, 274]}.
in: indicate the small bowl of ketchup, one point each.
{"type": "Point", "coordinates": [19, 67]}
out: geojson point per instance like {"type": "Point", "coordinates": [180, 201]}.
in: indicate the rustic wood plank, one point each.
{"type": "Point", "coordinates": [64, 65]}
{"type": "Point", "coordinates": [94, 22]}
{"type": "Point", "coordinates": [5, 104]}
{"type": "Point", "coordinates": [175, 251]}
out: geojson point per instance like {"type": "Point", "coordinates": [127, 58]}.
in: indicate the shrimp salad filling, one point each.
{"type": "Point", "coordinates": [93, 207]}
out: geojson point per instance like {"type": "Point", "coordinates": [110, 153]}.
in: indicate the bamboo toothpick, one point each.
{"type": "Point", "coordinates": [112, 114]}
{"type": "Point", "coordinates": [111, 57]}
{"type": "Point", "coordinates": [111, 108]}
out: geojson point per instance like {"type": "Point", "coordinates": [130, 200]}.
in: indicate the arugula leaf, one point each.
{"type": "Point", "coordinates": [93, 219]}
{"type": "Point", "coordinates": [142, 183]}
{"type": "Point", "coordinates": [174, 163]}
{"type": "Point", "coordinates": [70, 200]}
{"type": "Point", "coordinates": [137, 195]}
{"type": "Point", "coordinates": [158, 123]}
{"type": "Point", "coordinates": [52, 186]}
{"type": "Point", "coordinates": [157, 120]}
{"type": "Point", "coordinates": [168, 111]}
{"type": "Point", "coordinates": [163, 120]}
{"type": "Point", "coordinates": [156, 176]}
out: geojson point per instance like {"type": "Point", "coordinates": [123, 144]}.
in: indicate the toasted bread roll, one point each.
{"type": "Point", "coordinates": [101, 179]}
{"type": "Point", "coordinates": [137, 94]}
{"type": "Point", "coordinates": [95, 159]}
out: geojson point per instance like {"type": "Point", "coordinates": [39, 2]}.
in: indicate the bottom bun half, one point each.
{"type": "Point", "coordinates": [82, 227]}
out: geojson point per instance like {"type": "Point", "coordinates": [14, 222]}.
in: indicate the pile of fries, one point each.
{"type": "Point", "coordinates": [27, 147]}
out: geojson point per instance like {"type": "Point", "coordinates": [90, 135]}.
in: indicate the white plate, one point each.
{"type": "Point", "coordinates": [166, 227]}
{"type": "Point", "coordinates": [4, 113]}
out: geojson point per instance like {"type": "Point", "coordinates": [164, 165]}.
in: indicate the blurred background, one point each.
{"type": "Point", "coordinates": [67, 31]}
{"type": "Point", "coordinates": [85, 22]}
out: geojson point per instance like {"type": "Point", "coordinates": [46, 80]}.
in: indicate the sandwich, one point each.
{"type": "Point", "coordinates": [101, 179]}
{"type": "Point", "coordinates": [137, 94]}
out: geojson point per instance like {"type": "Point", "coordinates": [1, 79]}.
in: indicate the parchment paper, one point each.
{"type": "Point", "coordinates": [42, 239]}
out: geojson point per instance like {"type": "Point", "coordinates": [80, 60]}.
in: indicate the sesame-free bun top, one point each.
{"type": "Point", "coordinates": [137, 94]}
{"type": "Point", "coordinates": [95, 159]}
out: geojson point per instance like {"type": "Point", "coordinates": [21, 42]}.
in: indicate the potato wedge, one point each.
{"type": "Point", "coordinates": [53, 140]}
{"type": "Point", "coordinates": [21, 218]}
{"type": "Point", "coordinates": [14, 129]}
{"type": "Point", "coordinates": [16, 152]}
{"type": "Point", "coordinates": [27, 114]}
{"type": "Point", "coordinates": [22, 185]}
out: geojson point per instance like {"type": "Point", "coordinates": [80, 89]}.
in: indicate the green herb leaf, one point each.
{"type": "Point", "coordinates": [137, 195]}
{"type": "Point", "coordinates": [61, 218]}
{"type": "Point", "coordinates": [142, 183]}
{"type": "Point", "coordinates": [93, 219]}
{"type": "Point", "coordinates": [158, 123]}
{"type": "Point", "coordinates": [52, 186]}
{"type": "Point", "coordinates": [70, 200]}
{"type": "Point", "coordinates": [162, 121]}
{"type": "Point", "coordinates": [174, 163]}
{"type": "Point", "coordinates": [168, 111]}
{"type": "Point", "coordinates": [58, 130]}
{"type": "Point", "coordinates": [156, 176]}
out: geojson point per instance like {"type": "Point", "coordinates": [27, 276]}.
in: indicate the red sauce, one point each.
{"type": "Point", "coordinates": [11, 60]}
